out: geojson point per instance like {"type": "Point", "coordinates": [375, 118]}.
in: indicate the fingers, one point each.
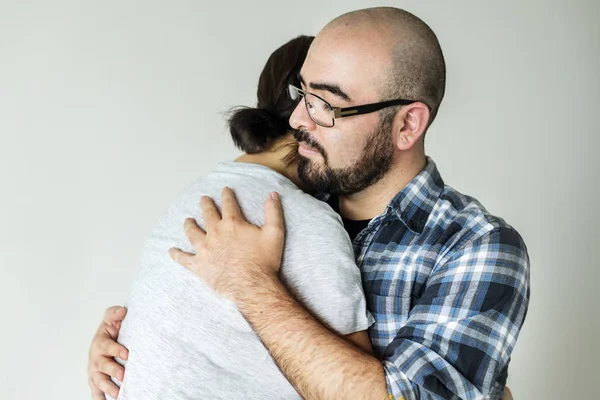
{"type": "Point", "coordinates": [111, 323]}
{"type": "Point", "coordinates": [181, 257]}
{"type": "Point", "coordinates": [209, 212]}
{"type": "Point", "coordinates": [97, 393]}
{"type": "Point", "coordinates": [104, 345]}
{"type": "Point", "coordinates": [230, 208]}
{"type": "Point", "coordinates": [109, 348]}
{"type": "Point", "coordinates": [104, 348]}
{"type": "Point", "coordinates": [193, 232]}
{"type": "Point", "coordinates": [110, 367]}
{"type": "Point", "coordinates": [104, 384]}
{"type": "Point", "coordinates": [274, 217]}
{"type": "Point", "coordinates": [114, 314]}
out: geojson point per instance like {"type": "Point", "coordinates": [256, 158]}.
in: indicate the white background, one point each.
{"type": "Point", "coordinates": [109, 108]}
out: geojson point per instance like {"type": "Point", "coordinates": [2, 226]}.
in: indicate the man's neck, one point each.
{"type": "Point", "coordinates": [372, 201]}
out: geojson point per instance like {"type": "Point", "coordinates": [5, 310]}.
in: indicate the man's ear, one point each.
{"type": "Point", "coordinates": [409, 125]}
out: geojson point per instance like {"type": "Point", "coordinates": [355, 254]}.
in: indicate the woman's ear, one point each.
{"type": "Point", "coordinates": [409, 125]}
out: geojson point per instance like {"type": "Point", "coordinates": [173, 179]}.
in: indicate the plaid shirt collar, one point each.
{"type": "Point", "coordinates": [413, 204]}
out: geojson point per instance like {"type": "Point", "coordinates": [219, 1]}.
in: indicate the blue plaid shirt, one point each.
{"type": "Point", "coordinates": [448, 285]}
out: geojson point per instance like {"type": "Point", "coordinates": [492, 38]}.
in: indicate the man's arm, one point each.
{"type": "Point", "coordinates": [462, 329]}
{"type": "Point", "coordinates": [241, 261]}
{"type": "Point", "coordinates": [318, 363]}
{"type": "Point", "coordinates": [362, 340]}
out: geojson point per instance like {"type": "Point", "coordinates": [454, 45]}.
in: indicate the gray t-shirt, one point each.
{"type": "Point", "coordinates": [187, 342]}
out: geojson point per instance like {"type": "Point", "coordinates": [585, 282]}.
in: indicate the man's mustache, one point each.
{"type": "Point", "coordinates": [302, 136]}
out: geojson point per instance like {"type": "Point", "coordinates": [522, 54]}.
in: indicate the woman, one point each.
{"type": "Point", "coordinates": [187, 342]}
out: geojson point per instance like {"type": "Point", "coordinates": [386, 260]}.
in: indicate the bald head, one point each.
{"type": "Point", "coordinates": [412, 63]}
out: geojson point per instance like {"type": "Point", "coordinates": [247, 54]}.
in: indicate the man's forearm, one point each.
{"type": "Point", "coordinates": [320, 364]}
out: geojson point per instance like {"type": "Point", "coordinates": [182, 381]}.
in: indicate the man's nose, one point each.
{"type": "Point", "coordinates": [300, 118]}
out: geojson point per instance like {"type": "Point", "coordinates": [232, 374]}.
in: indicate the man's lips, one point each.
{"type": "Point", "coordinates": [306, 150]}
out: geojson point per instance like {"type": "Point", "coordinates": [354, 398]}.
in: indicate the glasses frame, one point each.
{"type": "Point", "coordinates": [341, 112]}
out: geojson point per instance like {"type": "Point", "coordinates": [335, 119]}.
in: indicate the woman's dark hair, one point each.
{"type": "Point", "coordinates": [252, 128]}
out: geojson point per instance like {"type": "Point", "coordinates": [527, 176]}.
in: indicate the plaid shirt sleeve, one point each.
{"type": "Point", "coordinates": [460, 333]}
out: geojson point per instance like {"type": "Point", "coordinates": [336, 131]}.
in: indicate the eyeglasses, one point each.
{"type": "Point", "coordinates": [322, 113]}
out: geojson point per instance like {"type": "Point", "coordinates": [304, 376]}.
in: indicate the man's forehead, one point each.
{"type": "Point", "coordinates": [349, 64]}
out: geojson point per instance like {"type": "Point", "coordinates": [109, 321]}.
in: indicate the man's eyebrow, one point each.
{"type": "Point", "coordinates": [328, 87]}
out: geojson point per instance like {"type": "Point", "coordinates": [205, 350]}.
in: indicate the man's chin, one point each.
{"type": "Point", "coordinates": [310, 173]}
{"type": "Point", "coordinates": [312, 168]}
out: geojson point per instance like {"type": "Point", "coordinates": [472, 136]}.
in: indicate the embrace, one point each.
{"type": "Point", "coordinates": [362, 275]}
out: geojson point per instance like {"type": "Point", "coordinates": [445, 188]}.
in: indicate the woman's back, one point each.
{"type": "Point", "coordinates": [186, 342]}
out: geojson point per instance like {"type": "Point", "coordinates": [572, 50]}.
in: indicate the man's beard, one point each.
{"type": "Point", "coordinates": [374, 163]}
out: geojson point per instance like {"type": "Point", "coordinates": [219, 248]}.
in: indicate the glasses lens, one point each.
{"type": "Point", "coordinates": [319, 110]}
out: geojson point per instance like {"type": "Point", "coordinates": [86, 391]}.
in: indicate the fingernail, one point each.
{"type": "Point", "coordinates": [274, 195]}
{"type": "Point", "coordinates": [123, 355]}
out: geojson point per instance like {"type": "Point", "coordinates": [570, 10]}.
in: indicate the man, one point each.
{"type": "Point", "coordinates": [447, 283]}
